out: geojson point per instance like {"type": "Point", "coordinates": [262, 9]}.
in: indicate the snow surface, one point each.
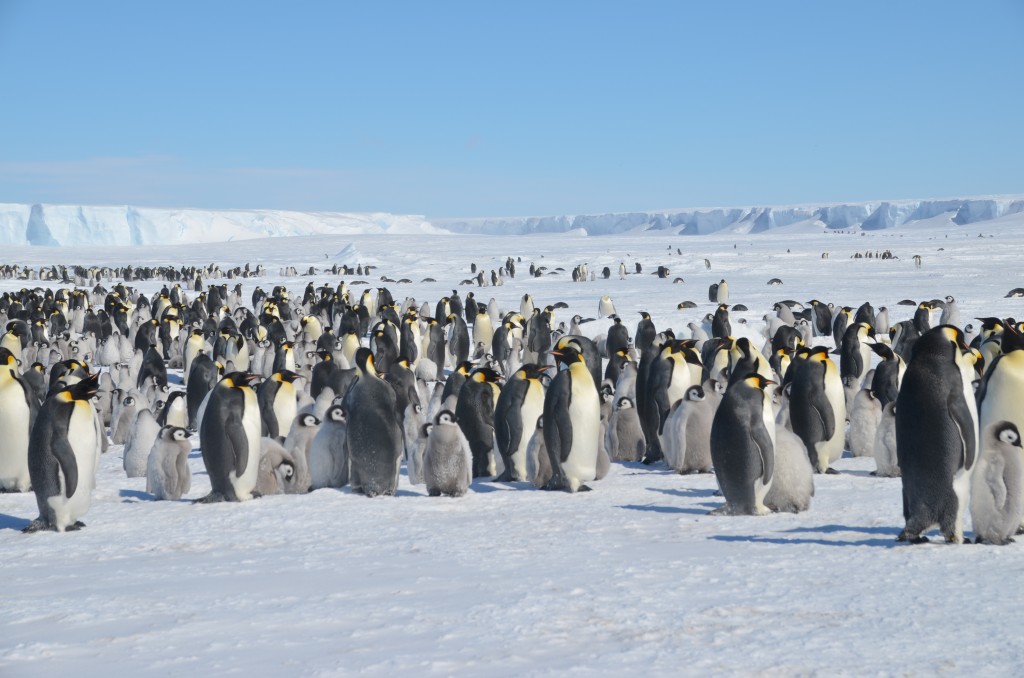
{"type": "Point", "coordinates": [633, 576]}
{"type": "Point", "coordinates": [81, 225]}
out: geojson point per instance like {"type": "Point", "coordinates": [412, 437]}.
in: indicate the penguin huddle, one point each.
{"type": "Point", "coordinates": [329, 388]}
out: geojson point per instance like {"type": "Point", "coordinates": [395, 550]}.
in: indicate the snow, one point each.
{"type": "Point", "coordinates": [83, 225]}
{"type": "Point", "coordinates": [513, 581]}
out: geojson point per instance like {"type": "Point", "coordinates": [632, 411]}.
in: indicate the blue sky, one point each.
{"type": "Point", "coordinates": [487, 109]}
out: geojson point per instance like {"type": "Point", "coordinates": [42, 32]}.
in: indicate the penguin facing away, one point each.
{"type": "Point", "coordinates": [936, 435]}
{"type": "Point", "coordinates": [63, 455]}
{"type": "Point", "coordinates": [743, 447]}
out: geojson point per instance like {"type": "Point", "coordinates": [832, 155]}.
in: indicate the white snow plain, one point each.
{"type": "Point", "coordinates": [632, 577]}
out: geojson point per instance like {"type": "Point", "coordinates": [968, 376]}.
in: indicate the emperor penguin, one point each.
{"type": "Point", "coordinates": [1002, 389]}
{"type": "Point", "coordinates": [168, 476]}
{"type": "Point", "coordinates": [817, 405]}
{"type": "Point", "coordinates": [996, 493]}
{"type": "Point", "coordinates": [572, 424]}
{"type": "Point", "coordinates": [855, 354]}
{"type": "Point", "coordinates": [520, 404]}
{"type": "Point", "coordinates": [722, 294]}
{"type": "Point", "coordinates": [278, 403]}
{"type": "Point", "coordinates": [63, 455]}
{"type": "Point", "coordinates": [624, 439]}
{"type": "Point", "coordinates": [936, 435]}
{"type": "Point", "coordinates": [374, 435]}
{"type": "Point", "coordinates": [885, 384]}
{"type": "Point", "coordinates": [605, 307]}
{"type": "Point", "coordinates": [18, 408]}
{"type": "Point", "coordinates": [886, 465]}
{"type": "Point", "coordinates": [483, 330]}
{"type": "Point", "coordinates": [538, 462]}
{"type": "Point", "coordinates": [194, 345]}
{"type": "Point", "coordinates": [864, 418]}
{"type": "Point", "coordinates": [300, 437]}
{"type": "Point", "coordinates": [413, 425]}
{"type": "Point", "coordinates": [743, 446]}
{"type": "Point", "coordinates": [328, 453]}
{"type": "Point", "coordinates": [140, 441]}
{"type": "Point", "coordinates": [474, 413]}
{"type": "Point", "coordinates": [229, 436]}
{"type": "Point", "coordinates": [447, 460]}
{"type": "Point", "coordinates": [793, 484]}
{"type": "Point", "coordinates": [687, 439]}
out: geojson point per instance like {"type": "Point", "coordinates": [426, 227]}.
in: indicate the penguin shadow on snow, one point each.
{"type": "Point", "coordinates": [888, 542]}
{"type": "Point", "coordinates": [686, 492]}
{"type": "Point", "coordinates": [133, 496]}
{"type": "Point", "coordinates": [8, 522]}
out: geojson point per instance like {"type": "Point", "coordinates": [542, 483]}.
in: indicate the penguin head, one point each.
{"type": "Point", "coordinates": [757, 381]}
{"type": "Point", "coordinates": [83, 389]}
{"type": "Point", "coordinates": [445, 418]}
{"type": "Point", "coordinates": [335, 413]}
{"type": "Point", "coordinates": [464, 368]}
{"type": "Point", "coordinates": [238, 379]}
{"type": "Point", "coordinates": [174, 433]}
{"type": "Point", "coordinates": [485, 374]}
{"type": "Point", "coordinates": [308, 420]}
{"type": "Point", "coordinates": [695, 393]}
{"type": "Point", "coordinates": [364, 362]}
{"type": "Point", "coordinates": [645, 315]}
{"type": "Point", "coordinates": [531, 371]}
{"type": "Point", "coordinates": [625, 403]}
{"type": "Point", "coordinates": [1006, 432]}
{"type": "Point", "coordinates": [567, 355]}
{"type": "Point", "coordinates": [286, 376]}
{"type": "Point", "coordinates": [7, 359]}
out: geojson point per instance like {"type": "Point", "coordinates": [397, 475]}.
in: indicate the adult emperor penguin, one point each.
{"type": "Point", "coordinates": [474, 412]}
{"type": "Point", "coordinates": [572, 424]}
{"type": "Point", "coordinates": [194, 345]}
{"type": "Point", "coordinates": [63, 454]}
{"type": "Point", "coordinates": [817, 404]}
{"type": "Point", "coordinates": [743, 446]}
{"type": "Point", "coordinates": [229, 436]}
{"type": "Point", "coordinates": [18, 408]}
{"type": "Point", "coordinates": [374, 435]}
{"type": "Point", "coordinates": [519, 405]}
{"type": "Point", "coordinates": [996, 494]}
{"type": "Point", "coordinates": [936, 435]}
{"type": "Point", "coordinates": [278, 404]}
{"type": "Point", "coordinates": [855, 353]}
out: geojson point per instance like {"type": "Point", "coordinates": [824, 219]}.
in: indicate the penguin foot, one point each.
{"type": "Point", "coordinates": [873, 473]}
{"type": "Point", "coordinates": [831, 471]}
{"type": "Point", "coordinates": [652, 459]}
{"type": "Point", "coordinates": [1020, 530]}
{"type": "Point", "coordinates": [505, 477]}
{"type": "Point", "coordinates": [256, 495]}
{"type": "Point", "coordinates": [212, 498]}
{"type": "Point", "coordinates": [584, 488]}
{"type": "Point", "coordinates": [722, 510]}
{"type": "Point", "coordinates": [78, 524]}
{"type": "Point", "coordinates": [37, 525]}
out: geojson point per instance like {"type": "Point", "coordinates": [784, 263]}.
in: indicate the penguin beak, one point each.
{"type": "Point", "coordinates": [544, 368]}
{"type": "Point", "coordinates": [556, 353]}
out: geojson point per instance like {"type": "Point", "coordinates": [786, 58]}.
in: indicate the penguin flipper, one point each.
{"type": "Point", "coordinates": [965, 423]}
{"type": "Point", "coordinates": [239, 443]}
{"type": "Point", "coordinates": [760, 437]}
{"type": "Point", "coordinates": [65, 456]}
{"type": "Point", "coordinates": [823, 408]}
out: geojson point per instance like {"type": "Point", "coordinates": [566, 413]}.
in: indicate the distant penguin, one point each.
{"type": "Point", "coordinates": [168, 476]}
{"type": "Point", "coordinates": [328, 454]}
{"type": "Point", "coordinates": [886, 464]}
{"type": "Point", "coordinates": [572, 424]}
{"type": "Point", "coordinates": [743, 447]}
{"type": "Point", "coordinates": [519, 405]}
{"type": "Point", "coordinates": [722, 293]}
{"type": "Point", "coordinates": [645, 332]}
{"type": "Point", "coordinates": [63, 455]}
{"type": "Point", "coordinates": [996, 486]}
{"type": "Point", "coordinates": [447, 460]}
{"type": "Point", "coordinates": [229, 437]}
{"type": "Point", "coordinates": [721, 327]}
{"type": "Point", "coordinates": [936, 435]}
{"type": "Point", "coordinates": [624, 439]}
{"type": "Point", "coordinates": [605, 307]}
{"type": "Point", "coordinates": [793, 484]}
{"type": "Point", "coordinates": [141, 438]}
{"type": "Point", "coordinates": [17, 414]}
{"type": "Point", "coordinates": [374, 436]}
{"type": "Point", "coordinates": [864, 417]}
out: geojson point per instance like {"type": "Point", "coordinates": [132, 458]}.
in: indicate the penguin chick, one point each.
{"type": "Point", "coordinates": [278, 472]}
{"type": "Point", "coordinates": [864, 417]}
{"type": "Point", "coordinates": [141, 438]}
{"type": "Point", "coordinates": [793, 485]}
{"type": "Point", "coordinates": [447, 459]}
{"type": "Point", "coordinates": [886, 465]}
{"type": "Point", "coordinates": [538, 463]}
{"type": "Point", "coordinates": [328, 452]}
{"type": "Point", "coordinates": [996, 507]}
{"type": "Point", "coordinates": [625, 439]}
{"type": "Point", "coordinates": [168, 476]}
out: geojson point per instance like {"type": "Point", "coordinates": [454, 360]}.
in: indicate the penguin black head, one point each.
{"type": "Point", "coordinates": [364, 361]}
{"type": "Point", "coordinates": [695, 393]}
{"type": "Point", "coordinates": [532, 371]}
{"type": "Point", "coordinates": [335, 413]}
{"type": "Point", "coordinates": [645, 315]}
{"type": "Point", "coordinates": [7, 358]}
{"type": "Point", "coordinates": [757, 381]}
{"type": "Point", "coordinates": [84, 389]}
{"type": "Point", "coordinates": [445, 417]}
{"type": "Point", "coordinates": [1006, 432]}
{"type": "Point", "coordinates": [286, 376]}
{"type": "Point", "coordinates": [485, 374]}
{"type": "Point", "coordinates": [625, 403]}
{"type": "Point", "coordinates": [238, 379]}
{"type": "Point", "coordinates": [308, 420]}
{"type": "Point", "coordinates": [464, 368]}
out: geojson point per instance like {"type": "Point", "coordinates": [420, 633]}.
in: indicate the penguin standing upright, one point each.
{"type": "Point", "coordinates": [229, 436]}
{"type": "Point", "coordinates": [936, 435]}
{"type": "Point", "coordinates": [817, 404]}
{"type": "Point", "coordinates": [996, 493]}
{"type": "Point", "coordinates": [645, 332]}
{"type": "Point", "coordinates": [855, 354]}
{"type": "Point", "coordinates": [722, 292]}
{"type": "Point", "coordinates": [721, 327]}
{"type": "Point", "coordinates": [572, 424]}
{"type": "Point", "coordinates": [167, 473]}
{"type": "Point", "coordinates": [17, 414]}
{"type": "Point", "coordinates": [278, 404]}
{"type": "Point", "coordinates": [520, 404]}
{"type": "Point", "coordinates": [63, 455]}
{"type": "Point", "coordinates": [328, 453]}
{"type": "Point", "coordinates": [447, 460]}
{"type": "Point", "coordinates": [687, 440]}
{"type": "Point", "coordinates": [374, 435]}
{"type": "Point", "coordinates": [474, 412]}
{"type": "Point", "coordinates": [743, 447]}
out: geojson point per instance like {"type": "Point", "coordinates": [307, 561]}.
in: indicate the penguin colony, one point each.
{"type": "Point", "coordinates": [332, 388]}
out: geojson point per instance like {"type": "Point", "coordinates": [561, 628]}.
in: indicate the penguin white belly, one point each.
{"type": "Point", "coordinates": [679, 383]}
{"type": "Point", "coordinates": [585, 415]}
{"type": "Point", "coordinates": [836, 394]}
{"type": "Point", "coordinates": [533, 407]}
{"type": "Point", "coordinates": [962, 478]}
{"type": "Point", "coordinates": [12, 344]}
{"type": "Point", "coordinates": [14, 417]}
{"type": "Point", "coordinates": [246, 483]}
{"type": "Point", "coordinates": [1004, 394]}
{"type": "Point", "coordinates": [285, 408]}
{"type": "Point", "coordinates": [760, 487]}
{"type": "Point", "coordinates": [85, 444]}
{"type": "Point", "coordinates": [865, 362]}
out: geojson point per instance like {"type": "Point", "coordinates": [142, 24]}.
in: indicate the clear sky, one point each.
{"type": "Point", "coordinates": [513, 108]}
